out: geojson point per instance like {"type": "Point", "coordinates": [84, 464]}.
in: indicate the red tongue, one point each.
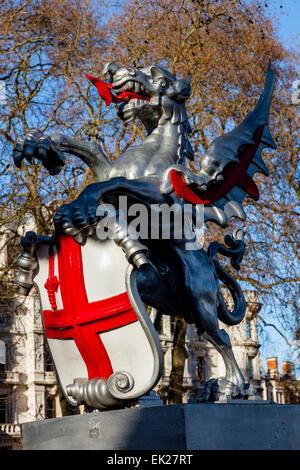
{"type": "Point", "coordinates": [128, 95]}
{"type": "Point", "coordinates": [104, 91]}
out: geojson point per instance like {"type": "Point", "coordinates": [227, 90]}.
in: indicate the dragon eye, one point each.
{"type": "Point", "coordinates": [162, 82]}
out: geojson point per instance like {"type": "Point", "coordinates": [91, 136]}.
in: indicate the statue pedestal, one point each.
{"type": "Point", "coordinates": [173, 427]}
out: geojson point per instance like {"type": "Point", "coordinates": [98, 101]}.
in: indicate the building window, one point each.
{"type": "Point", "coordinates": [159, 323]}
{"type": "Point", "coordinates": [200, 368]}
{"type": "Point", "coordinates": [250, 367]}
{"type": "Point", "coordinates": [50, 406]}
{"type": "Point", "coordinates": [279, 397]}
{"type": "Point", "coordinates": [2, 356]}
{"type": "Point", "coordinates": [248, 329]}
{"type": "Point", "coordinates": [48, 363]}
{"type": "Point", "coordinates": [3, 408]}
{"type": "Point", "coordinates": [199, 335]}
{"type": "Point", "coordinates": [172, 325]}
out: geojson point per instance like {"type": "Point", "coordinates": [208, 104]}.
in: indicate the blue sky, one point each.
{"type": "Point", "coordinates": [288, 23]}
{"type": "Point", "coordinates": [288, 20]}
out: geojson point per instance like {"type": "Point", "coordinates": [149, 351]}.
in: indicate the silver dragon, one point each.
{"type": "Point", "coordinates": [175, 281]}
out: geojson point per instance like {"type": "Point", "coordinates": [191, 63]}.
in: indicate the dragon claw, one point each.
{"type": "Point", "coordinates": [216, 390]}
{"type": "Point", "coordinates": [40, 146]}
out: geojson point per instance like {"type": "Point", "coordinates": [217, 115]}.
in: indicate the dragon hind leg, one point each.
{"type": "Point", "coordinates": [204, 311]}
{"type": "Point", "coordinates": [202, 288]}
{"type": "Point", "coordinates": [208, 324]}
{"type": "Point", "coordinates": [234, 380]}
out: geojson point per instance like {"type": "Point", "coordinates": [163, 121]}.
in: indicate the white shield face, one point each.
{"type": "Point", "coordinates": [95, 322]}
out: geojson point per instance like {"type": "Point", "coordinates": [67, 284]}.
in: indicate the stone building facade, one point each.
{"type": "Point", "coordinates": [28, 384]}
{"type": "Point", "coordinates": [274, 384]}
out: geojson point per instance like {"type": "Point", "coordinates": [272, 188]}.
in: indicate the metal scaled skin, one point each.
{"type": "Point", "coordinates": [172, 279]}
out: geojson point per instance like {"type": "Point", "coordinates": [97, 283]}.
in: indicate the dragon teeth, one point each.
{"type": "Point", "coordinates": [132, 86]}
{"type": "Point", "coordinates": [129, 85]}
{"type": "Point", "coordinates": [135, 103]}
{"type": "Point", "coordinates": [137, 87]}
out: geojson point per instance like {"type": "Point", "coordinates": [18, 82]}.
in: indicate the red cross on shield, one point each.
{"type": "Point", "coordinates": [93, 325]}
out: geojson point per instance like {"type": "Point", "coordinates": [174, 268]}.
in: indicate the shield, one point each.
{"type": "Point", "coordinates": [94, 320]}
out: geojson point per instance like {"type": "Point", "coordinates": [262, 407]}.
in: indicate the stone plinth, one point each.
{"type": "Point", "coordinates": [174, 427]}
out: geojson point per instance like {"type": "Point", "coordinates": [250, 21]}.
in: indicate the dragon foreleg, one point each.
{"type": "Point", "coordinates": [90, 153]}
{"type": "Point", "coordinates": [49, 149]}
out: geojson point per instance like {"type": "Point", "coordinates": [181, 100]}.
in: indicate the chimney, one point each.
{"type": "Point", "coordinates": [272, 365]}
{"type": "Point", "coordinates": [287, 368]}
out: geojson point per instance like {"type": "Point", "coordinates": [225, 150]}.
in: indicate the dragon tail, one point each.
{"type": "Point", "coordinates": [236, 252]}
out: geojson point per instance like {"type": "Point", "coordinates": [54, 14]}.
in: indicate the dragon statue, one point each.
{"type": "Point", "coordinates": [171, 278]}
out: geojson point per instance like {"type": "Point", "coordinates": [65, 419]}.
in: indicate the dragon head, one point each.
{"type": "Point", "coordinates": [151, 94]}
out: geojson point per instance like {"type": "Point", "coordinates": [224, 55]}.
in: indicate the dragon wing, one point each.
{"type": "Point", "coordinates": [229, 164]}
